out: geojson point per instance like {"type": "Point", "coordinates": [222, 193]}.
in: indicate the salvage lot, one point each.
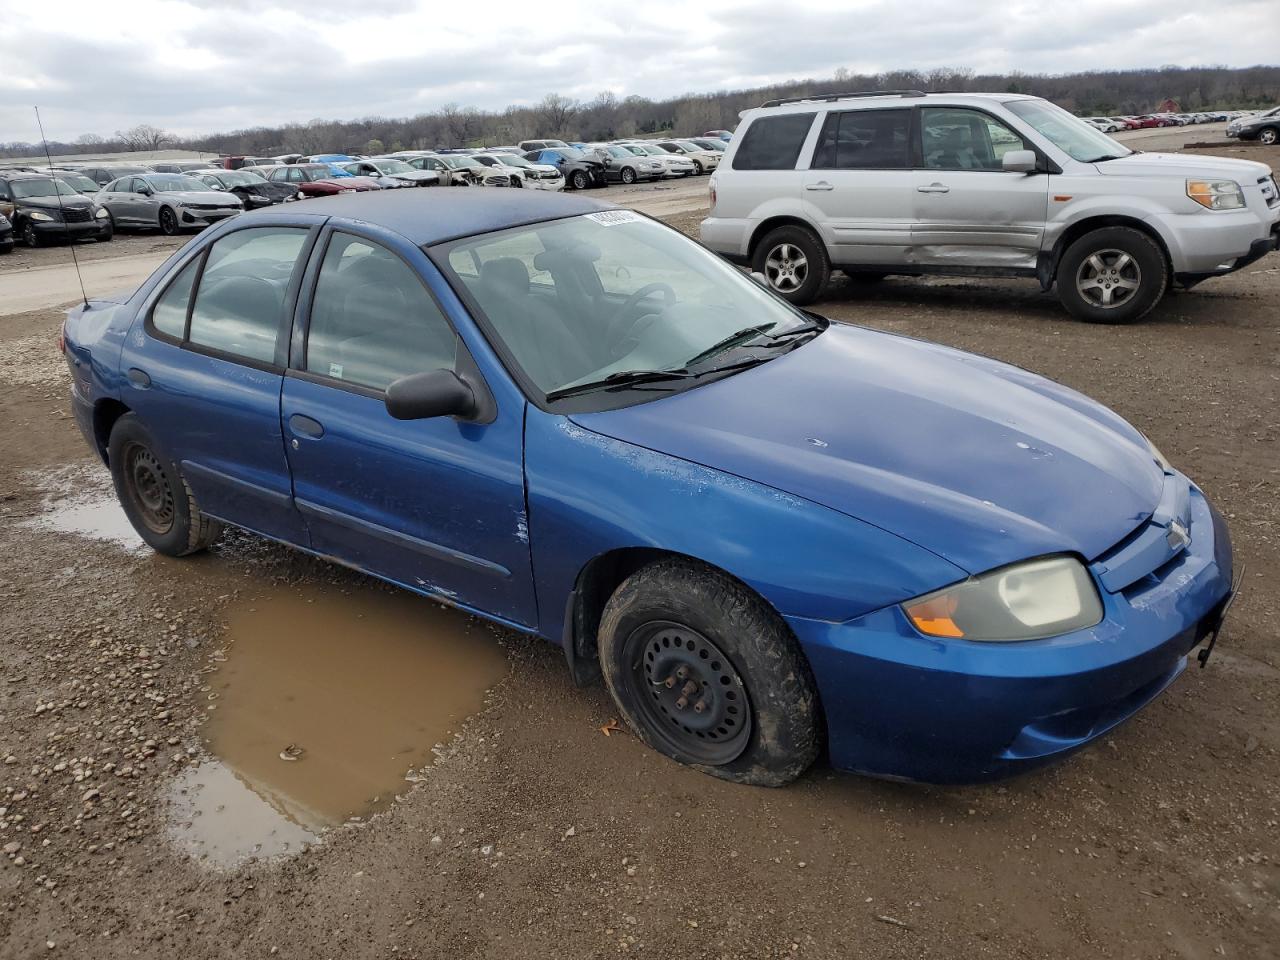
{"type": "Point", "coordinates": [1159, 841]}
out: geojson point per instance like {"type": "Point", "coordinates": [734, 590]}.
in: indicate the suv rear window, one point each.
{"type": "Point", "coordinates": [773, 143]}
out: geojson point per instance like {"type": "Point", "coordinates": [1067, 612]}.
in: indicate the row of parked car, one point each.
{"type": "Point", "coordinates": [90, 201]}
{"type": "Point", "coordinates": [1147, 120]}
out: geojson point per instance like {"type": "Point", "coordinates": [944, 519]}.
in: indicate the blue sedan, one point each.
{"type": "Point", "coordinates": [773, 535]}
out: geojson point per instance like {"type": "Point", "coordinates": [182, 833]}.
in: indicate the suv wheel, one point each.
{"type": "Point", "coordinates": [1269, 136]}
{"type": "Point", "coordinates": [1112, 275]}
{"type": "Point", "coordinates": [794, 263]}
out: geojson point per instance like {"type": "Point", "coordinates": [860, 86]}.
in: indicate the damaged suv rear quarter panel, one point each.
{"type": "Point", "coordinates": [590, 495]}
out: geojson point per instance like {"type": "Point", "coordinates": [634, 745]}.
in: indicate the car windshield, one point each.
{"type": "Point", "coordinates": [240, 178]}
{"type": "Point", "coordinates": [570, 153]}
{"type": "Point", "coordinates": [616, 295]}
{"type": "Point", "coordinates": [317, 171]}
{"type": "Point", "coordinates": [25, 189]}
{"type": "Point", "coordinates": [688, 145]}
{"type": "Point", "coordinates": [79, 182]}
{"type": "Point", "coordinates": [176, 183]}
{"type": "Point", "coordinates": [615, 151]}
{"type": "Point", "coordinates": [392, 166]}
{"type": "Point", "coordinates": [507, 160]}
{"type": "Point", "coordinates": [462, 163]}
{"type": "Point", "coordinates": [1068, 132]}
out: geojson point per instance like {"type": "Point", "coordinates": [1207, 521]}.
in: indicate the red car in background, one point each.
{"type": "Point", "coordinates": [317, 179]}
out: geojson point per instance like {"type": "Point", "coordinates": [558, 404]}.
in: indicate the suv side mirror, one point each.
{"type": "Point", "coordinates": [1019, 161]}
{"type": "Point", "coordinates": [437, 393]}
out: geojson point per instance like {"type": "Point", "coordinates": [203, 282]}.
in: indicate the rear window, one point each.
{"type": "Point", "coordinates": [773, 143]}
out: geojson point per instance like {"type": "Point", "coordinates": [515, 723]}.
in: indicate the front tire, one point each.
{"type": "Point", "coordinates": [794, 262]}
{"type": "Point", "coordinates": [705, 672]}
{"type": "Point", "coordinates": [6, 246]}
{"type": "Point", "coordinates": [29, 235]}
{"type": "Point", "coordinates": [1269, 136]}
{"type": "Point", "coordinates": [697, 168]}
{"type": "Point", "coordinates": [628, 176]}
{"type": "Point", "coordinates": [168, 222]}
{"type": "Point", "coordinates": [154, 494]}
{"type": "Point", "coordinates": [578, 180]}
{"type": "Point", "coordinates": [1112, 275]}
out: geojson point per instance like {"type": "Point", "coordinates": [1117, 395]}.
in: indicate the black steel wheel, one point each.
{"type": "Point", "coordinates": [691, 694]}
{"type": "Point", "coordinates": [148, 488]}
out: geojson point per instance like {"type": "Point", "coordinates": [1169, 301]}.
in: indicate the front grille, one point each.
{"type": "Point", "coordinates": [76, 215]}
{"type": "Point", "coordinates": [205, 206]}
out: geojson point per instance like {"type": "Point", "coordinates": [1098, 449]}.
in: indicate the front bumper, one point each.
{"type": "Point", "coordinates": [1204, 244]}
{"type": "Point", "coordinates": [203, 218]}
{"type": "Point", "coordinates": [904, 706]}
{"type": "Point", "coordinates": [57, 229]}
{"type": "Point", "coordinates": [538, 183]}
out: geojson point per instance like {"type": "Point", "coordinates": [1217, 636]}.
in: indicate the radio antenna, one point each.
{"type": "Point", "coordinates": [57, 192]}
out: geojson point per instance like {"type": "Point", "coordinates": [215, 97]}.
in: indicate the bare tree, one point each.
{"type": "Point", "coordinates": [145, 137]}
{"type": "Point", "coordinates": [555, 111]}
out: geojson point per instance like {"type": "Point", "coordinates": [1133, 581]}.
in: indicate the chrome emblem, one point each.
{"type": "Point", "coordinates": [1178, 535]}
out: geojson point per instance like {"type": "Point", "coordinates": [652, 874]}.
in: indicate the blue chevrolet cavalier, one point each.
{"type": "Point", "coordinates": [773, 535]}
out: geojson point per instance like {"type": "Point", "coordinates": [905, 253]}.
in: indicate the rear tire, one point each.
{"type": "Point", "coordinates": [154, 494]}
{"type": "Point", "coordinates": [794, 262]}
{"type": "Point", "coordinates": [1112, 275]}
{"type": "Point", "coordinates": [750, 711]}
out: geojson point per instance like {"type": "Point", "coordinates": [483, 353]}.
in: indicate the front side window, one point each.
{"type": "Point", "coordinates": [240, 302]}
{"type": "Point", "coordinates": [578, 299]}
{"type": "Point", "coordinates": [773, 143]}
{"type": "Point", "coordinates": [958, 139]}
{"type": "Point", "coordinates": [372, 320]}
{"type": "Point", "coordinates": [864, 140]}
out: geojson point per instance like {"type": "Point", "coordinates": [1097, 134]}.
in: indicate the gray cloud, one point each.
{"type": "Point", "coordinates": [226, 64]}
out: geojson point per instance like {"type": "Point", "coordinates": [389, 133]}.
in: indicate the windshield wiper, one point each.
{"type": "Point", "coordinates": [620, 379]}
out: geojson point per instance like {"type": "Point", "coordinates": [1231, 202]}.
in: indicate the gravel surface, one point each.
{"type": "Point", "coordinates": [536, 835]}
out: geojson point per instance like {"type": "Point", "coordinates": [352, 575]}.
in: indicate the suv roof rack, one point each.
{"type": "Point", "coordinates": [829, 97]}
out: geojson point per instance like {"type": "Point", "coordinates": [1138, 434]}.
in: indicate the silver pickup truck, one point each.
{"type": "Point", "coordinates": [980, 185]}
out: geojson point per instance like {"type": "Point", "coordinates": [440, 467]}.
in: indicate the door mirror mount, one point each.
{"type": "Point", "coordinates": [1020, 161]}
{"type": "Point", "coordinates": [436, 393]}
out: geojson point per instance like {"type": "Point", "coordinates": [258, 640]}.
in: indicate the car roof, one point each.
{"type": "Point", "coordinates": [426, 217]}
{"type": "Point", "coordinates": [901, 99]}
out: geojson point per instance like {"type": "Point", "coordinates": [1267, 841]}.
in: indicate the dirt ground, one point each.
{"type": "Point", "coordinates": [535, 835]}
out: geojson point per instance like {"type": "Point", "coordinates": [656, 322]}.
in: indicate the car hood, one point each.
{"type": "Point", "coordinates": [1183, 165]}
{"type": "Point", "coordinates": [51, 203]}
{"type": "Point", "coordinates": [415, 176]}
{"type": "Point", "coordinates": [982, 463]}
{"type": "Point", "coordinates": [200, 196]}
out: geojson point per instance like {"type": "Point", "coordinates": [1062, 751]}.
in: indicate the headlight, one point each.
{"type": "Point", "coordinates": [1026, 601]}
{"type": "Point", "coordinates": [101, 213]}
{"type": "Point", "coordinates": [1216, 194]}
{"type": "Point", "coordinates": [37, 215]}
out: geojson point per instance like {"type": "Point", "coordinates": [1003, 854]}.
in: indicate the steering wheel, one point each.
{"type": "Point", "coordinates": [619, 329]}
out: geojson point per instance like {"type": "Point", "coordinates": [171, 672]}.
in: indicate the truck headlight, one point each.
{"type": "Point", "coordinates": [1216, 194]}
{"type": "Point", "coordinates": [1025, 601]}
{"type": "Point", "coordinates": [37, 215]}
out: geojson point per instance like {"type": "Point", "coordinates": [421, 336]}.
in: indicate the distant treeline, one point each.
{"type": "Point", "coordinates": [608, 117]}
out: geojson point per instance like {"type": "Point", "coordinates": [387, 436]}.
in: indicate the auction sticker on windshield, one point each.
{"type": "Point", "coordinates": [611, 218]}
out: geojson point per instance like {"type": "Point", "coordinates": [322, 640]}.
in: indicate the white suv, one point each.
{"type": "Point", "coordinates": [979, 184]}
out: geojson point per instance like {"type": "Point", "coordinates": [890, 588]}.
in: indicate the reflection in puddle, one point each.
{"type": "Point", "coordinates": [85, 504]}
{"type": "Point", "coordinates": [321, 707]}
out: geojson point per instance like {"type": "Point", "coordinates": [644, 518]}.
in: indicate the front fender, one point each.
{"type": "Point", "coordinates": [589, 494]}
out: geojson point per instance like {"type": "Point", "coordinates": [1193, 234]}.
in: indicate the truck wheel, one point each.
{"type": "Point", "coordinates": [154, 494]}
{"type": "Point", "coordinates": [706, 672]}
{"type": "Point", "coordinates": [794, 262]}
{"type": "Point", "coordinates": [1112, 275]}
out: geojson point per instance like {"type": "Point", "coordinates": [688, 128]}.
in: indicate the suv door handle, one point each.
{"type": "Point", "coordinates": [934, 187]}
{"type": "Point", "coordinates": [820, 185]}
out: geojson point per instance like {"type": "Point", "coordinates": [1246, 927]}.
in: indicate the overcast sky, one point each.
{"type": "Point", "coordinates": [211, 65]}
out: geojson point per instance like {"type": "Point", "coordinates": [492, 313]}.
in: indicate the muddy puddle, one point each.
{"type": "Point", "coordinates": [85, 504]}
{"type": "Point", "coordinates": [319, 706]}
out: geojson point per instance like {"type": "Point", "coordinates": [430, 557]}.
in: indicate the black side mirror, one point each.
{"type": "Point", "coordinates": [437, 393]}
{"type": "Point", "coordinates": [145, 190]}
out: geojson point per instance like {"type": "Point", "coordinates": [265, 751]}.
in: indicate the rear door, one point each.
{"type": "Point", "coordinates": [204, 367]}
{"type": "Point", "coordinates": [858, 186]}
{"type": "Point", "coordinates": [969, 211]}
{"type": "Point", "coordinates": [434, 504]}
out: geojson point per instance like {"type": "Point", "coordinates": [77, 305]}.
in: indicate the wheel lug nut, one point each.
{"type": "Point", "coordinates": [669, 682]}
{"type": "Point", "coordinates": [682, 672]}
{"type": "Point", "coordinates": [689, 688]}
{"type": "Point", "coordinates": [699, 706]}
{"type": "Point", "coordinates": [682, 703]}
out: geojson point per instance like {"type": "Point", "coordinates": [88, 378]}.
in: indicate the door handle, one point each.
{"type": "Point", "coordinates": [139, 378]}
{"type": "Point", "coordinates": [820, 185]}
{"type": "Point", "coordinates": [934, 188]}
{"type": "Point", "coordinates": [306, 426]}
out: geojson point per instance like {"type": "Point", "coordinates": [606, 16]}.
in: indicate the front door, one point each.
{"type": "Point", "coordinates": [434, 504]}
{"type": "Point", "coordinates": [968, 210]}
{"type": "Point", "coordinates": [204, 366]}
{"type": "Point", "coordinates": [858, 186]}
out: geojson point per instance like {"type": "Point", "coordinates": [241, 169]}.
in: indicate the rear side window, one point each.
{"type": "Point", "coordinates": [864, 140]}
{"type": "Point", "coordinates": [240, 301]}
{"type": "Point", "coordinates": [372, 320]}
{"type": "Point", "coordinates": [773, 143]}
{"type": "Point", "coordinates": [169, 315]}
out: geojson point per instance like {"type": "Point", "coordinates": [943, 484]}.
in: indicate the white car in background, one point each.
{"type": "Point", "coordinates": [704, 160]}
{"type": "Point", "coordinates": [676, 165]}
{"type": "Point", "coordinates": [523, 173]}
